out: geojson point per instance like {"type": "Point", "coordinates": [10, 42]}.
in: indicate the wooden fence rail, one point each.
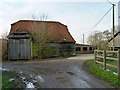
{"type": "Point", "coordinates": [104, 57]}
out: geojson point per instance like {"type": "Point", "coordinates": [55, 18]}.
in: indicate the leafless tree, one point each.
{"type": "Point", "coordinates": [4, 46]}
{"type": "Point", "coordinates": [99, 39]}
{"type": "Point", "coordinates": [40, 35]}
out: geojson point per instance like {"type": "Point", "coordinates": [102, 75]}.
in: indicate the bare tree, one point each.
{"type": "Point", "coordinates": [4, 35]}
{"type": "Point", "coordinates": [4, 46]}
{"type": "Point", "coordinates": [41, 17]}
{"type": "Point", "coordinates": [99, 39]}
{"type": "Point", "coordinates": [41, 38]}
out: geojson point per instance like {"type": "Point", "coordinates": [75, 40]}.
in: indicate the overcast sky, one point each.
{"type": "Point", "coordinates": [80, 16]}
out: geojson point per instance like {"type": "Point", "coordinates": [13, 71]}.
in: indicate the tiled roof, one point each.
{"type": "Point", "coordinates": [56, 29]}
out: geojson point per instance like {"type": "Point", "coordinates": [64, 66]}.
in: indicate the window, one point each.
{"type": "Point", "coordinates": [78, 49]}
{"type": "Point", "coordinates": [91, 48]}
{"type": "Point", "coordinates": [84, 48]}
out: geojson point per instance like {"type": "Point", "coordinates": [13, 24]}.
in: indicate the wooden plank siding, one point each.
{"type": "Point", "coordinates": [19, 49]}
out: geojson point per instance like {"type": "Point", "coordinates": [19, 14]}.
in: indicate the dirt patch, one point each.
{"type": "Point", "coordinates": [60, 72]}
{"type": "Point", "coordinates": [71, 73]}
{"type": "Point", "coordinates": [63, 81]}
{"type": "Point", "coordinates": [59, 78]}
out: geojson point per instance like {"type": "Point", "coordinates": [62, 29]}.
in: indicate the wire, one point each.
{"type": "Point", "coordinates": [99, 21]}
{"type": "Point", "coordinates": [110, 2]}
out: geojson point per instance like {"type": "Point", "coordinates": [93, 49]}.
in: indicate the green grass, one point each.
{"type": "Point", "coordinates": [6, 76]}
{"type": "Point", "coordinates": [46, 59]}
{"type": "Point", "coordinates": [112, 62]}
{"type": "Point", "coordinates": [105, 75]}
{"type": "Point", "coordinates": [112, 56]}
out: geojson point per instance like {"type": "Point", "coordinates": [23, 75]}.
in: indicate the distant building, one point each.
{"type": "Point", "coordinates": [116, 42]}
{"type": "Point", "coordinates": [82, 48]}
{"type": "Point", "coordinates": [20, 40]}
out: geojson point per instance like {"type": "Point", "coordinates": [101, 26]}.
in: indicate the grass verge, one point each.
{"type": "Point", "coordinates": [6, 83]}
{"type": "Point", "coordinates": [105, 75]}
{"type": "Point", "coordinates": [46, 59]}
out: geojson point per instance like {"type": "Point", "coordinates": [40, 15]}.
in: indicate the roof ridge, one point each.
{"type": "Point", "coordinates": [38, 21]}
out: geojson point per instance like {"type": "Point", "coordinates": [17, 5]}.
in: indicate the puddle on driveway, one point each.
{"type": "Point", "coordinates": [71, 73]}
{"type": "Point", "coordinates": [12, 79]}
{"type": "Point", "coordinates": [63, 81]}
{"type": "Point", "coordinates": [29, 85]}
{"type": "Point", "coordinates": [59, 78]}
{"type": "Point", "coordinates": [23, 78]}
{"type": "Point", "coordinates": [40, 78]}
{"type": "Point", "coordinates": [60, 72]}
{"type": "Point", "coordinates": [2, 69]}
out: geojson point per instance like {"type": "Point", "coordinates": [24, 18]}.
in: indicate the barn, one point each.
{"type": "Point", "coordinates": [20, 43]}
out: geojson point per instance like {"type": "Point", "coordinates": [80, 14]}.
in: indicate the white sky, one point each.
{"type": "Point", "coordinates": [80, 16]}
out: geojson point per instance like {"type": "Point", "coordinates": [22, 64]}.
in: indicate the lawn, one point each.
{"type": "Point", "coordinates": [105, 75]}
{"type": "Point", "coordinates": [6, 76]}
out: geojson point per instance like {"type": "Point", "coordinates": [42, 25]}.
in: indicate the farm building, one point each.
{"type": "Point", "coordinates": [116, 41]}
{"type": "Point", "coordinates": [20, 40]}
{"type": "Point", "coordinates": [82, 48]}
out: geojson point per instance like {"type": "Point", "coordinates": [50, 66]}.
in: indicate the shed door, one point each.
{"type": "Point", "coordinates": [19, 49]}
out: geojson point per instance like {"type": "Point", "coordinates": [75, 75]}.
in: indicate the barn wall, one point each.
{"type": "Point", "coordinates": [67, 49]}
{"type": "Point", "coordinates": [64, 49]}
{"type": "Point", "coordinates": [19, 48]}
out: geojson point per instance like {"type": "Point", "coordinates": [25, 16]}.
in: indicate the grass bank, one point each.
{"type": "Point", "coordinates": [6, 83]}
{"type": "Point", "coordinates": [105, 75]}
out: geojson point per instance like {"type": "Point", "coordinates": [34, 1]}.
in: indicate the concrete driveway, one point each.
{"type": "Point", "coordinates": [64, 73]}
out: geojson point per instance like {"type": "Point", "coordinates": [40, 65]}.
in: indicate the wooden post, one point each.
{"type": "Point", "coordinates": [118, 64]}
{"type": "Point", "coordinates": [94, 58]}
{"type": "Point", "coordinates": [104, 59]}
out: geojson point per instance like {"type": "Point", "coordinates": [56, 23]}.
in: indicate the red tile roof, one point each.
{"type": "Point", "coordinates": [58, 31]}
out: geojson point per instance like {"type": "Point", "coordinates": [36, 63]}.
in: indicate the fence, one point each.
{"type": "Point", "coordinates": [102, 54]}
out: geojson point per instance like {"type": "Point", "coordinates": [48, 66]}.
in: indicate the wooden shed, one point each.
{"type": "Point", "coordinates": [19, 46]}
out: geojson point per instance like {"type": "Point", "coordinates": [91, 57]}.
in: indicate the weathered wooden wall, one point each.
{"type": "Point", "coordinates": [61, 49]}
{"type": "Point", "coordinates": [64, 48]}
{"type": "Point", "coordinates": [19, 49]}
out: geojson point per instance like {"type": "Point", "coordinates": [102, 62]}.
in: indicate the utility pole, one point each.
{"type": "Point", "coordinates": [113, 26]}
{"type": "Point", "coordinates": [113, 5]}
{"type": "Point", "coordinates": [83, 38]}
